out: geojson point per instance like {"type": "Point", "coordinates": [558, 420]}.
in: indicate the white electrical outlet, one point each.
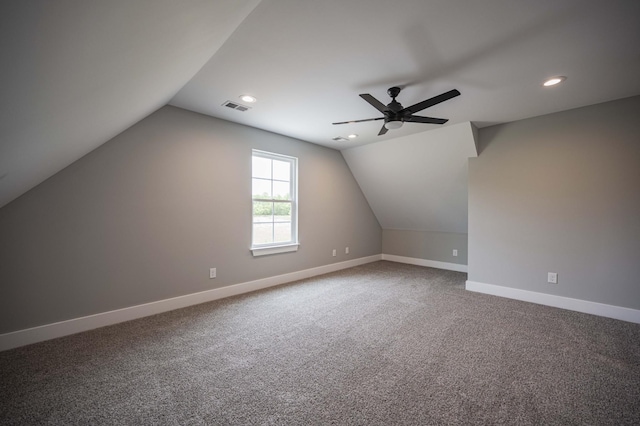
{"type": "Point", "coordinates": [552, 277]}
{"type": "Point", "coordinates": [212, 272]}
{"type": "Point", "coordinates": [334, 253]}
{"type": "Point", "coordinates": [455, 252]}
{"type": "Point", "coordinates": [346, 250]}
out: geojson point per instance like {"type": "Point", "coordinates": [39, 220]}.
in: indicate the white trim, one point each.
{"type": "Point", "coordinates": [424, 231]}
{"type": "Point", "coordinates": [293, 190]}
{"type": "Point", "coordinates": [425, 262]}
{"type": "Point", "coordinates": [77, 325]}
{"type": "Point", "coordinates": [585, 306]}
{"type": "Point", "coordinates": [263, 251]}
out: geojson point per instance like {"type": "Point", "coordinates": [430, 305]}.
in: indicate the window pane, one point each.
{"type": "Point", "coordinates": [261, 188]}
{"type": "Point", "coordinates": [282, 232]}
{"type": "Point", "coordinates": [281, 170]}
{"type": "Point", "coordinates": [282, 212]}
{"type": "Point", "coordinates": [262, 233]}
{"type": "Point", "coordinates": [281, 190]}
{"type": "Point", "coordinates": [262, 211]}
{"type": "Point", "coordinates": [273, 179]}
{"type": "Point", "coordinates": [261, 167]}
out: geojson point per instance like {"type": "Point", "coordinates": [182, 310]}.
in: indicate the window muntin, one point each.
{"type": "Point", "coordinates": [274, 193]}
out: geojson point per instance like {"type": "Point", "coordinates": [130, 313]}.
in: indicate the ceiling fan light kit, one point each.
{"type": "Point", "coordinates": [395, 114]}
{"type": "Point", "coordinates": [396, 124]}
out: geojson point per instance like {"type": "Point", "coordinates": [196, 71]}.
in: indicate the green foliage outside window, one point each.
{"type": "Point", "coordinates": [264, 208]}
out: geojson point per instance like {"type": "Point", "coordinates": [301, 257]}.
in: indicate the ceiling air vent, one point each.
{"type": "Point", "coordinates": [340, 139]}
{"type": "Point", "coordinates": [235, 105]}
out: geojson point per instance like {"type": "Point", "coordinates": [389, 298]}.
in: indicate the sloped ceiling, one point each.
{"type": "Point", "coordinates": [76, 73]}
{"type": "Point", "coordinates": [417, 182]}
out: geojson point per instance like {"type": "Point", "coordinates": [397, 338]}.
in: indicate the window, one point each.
{"type": "Point", "coordinates": [274, 199]}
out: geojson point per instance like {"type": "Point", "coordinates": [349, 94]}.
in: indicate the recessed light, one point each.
{"type": "Point", "coordinates": [352, 136]}
{"type": "Point", "coordinates": [248, 98]}
{"type": "Point", "coordinates": [554, 80]}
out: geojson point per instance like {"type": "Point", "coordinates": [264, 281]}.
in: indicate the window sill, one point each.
{"type": "Point", "coordinates": [263, 251]}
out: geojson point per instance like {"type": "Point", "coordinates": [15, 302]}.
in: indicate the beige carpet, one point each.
{"type": "Point", "coordinates": [379, 344]}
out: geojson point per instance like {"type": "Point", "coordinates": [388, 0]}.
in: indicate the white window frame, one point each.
{"type": "Point", "coordinates": [282, 247]}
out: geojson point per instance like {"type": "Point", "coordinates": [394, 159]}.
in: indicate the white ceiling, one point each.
{"type": "Point", "coordinates": [76, 73]}
{"type": "Point", "coordinates": [307, 61]}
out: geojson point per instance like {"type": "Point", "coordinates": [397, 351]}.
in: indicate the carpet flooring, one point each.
{"type": "Point", "coordinates": [380, 344]}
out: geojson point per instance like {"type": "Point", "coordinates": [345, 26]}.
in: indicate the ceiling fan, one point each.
{"type": "Point", "coordinates": [395, 114]}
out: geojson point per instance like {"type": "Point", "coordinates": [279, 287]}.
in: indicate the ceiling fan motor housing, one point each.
{"type": "Point", "coordinates": [392, 114]}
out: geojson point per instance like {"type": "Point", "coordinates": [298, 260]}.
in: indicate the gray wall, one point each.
{"type": "Point", "coordinates": [417, 181]}
{"type": "Point", "coordinates": [560, 193]}
{"type": "Point", "coordinates": [144, 216]}
{"type": "Point", "coordinates": [417, 187]}
{"type": "Point", "coordinates": [425, 245]}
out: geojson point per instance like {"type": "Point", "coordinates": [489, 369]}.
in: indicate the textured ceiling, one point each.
{"type": "Point", "coordinates": [76, 73]}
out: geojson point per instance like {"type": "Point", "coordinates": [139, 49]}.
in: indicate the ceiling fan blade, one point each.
{"type": "Point", "coordinates": [429, 120]}
{"type": "Point", "coordinates": [374, 102]}
{"type": "Point", "coordinates": [359, 121]}
{"type": "Point", "coordinates": [382, 131]}
{"type": "Point", "coordinates": [430, 102]}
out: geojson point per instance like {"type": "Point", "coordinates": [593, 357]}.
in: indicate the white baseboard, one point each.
{"type": "Point", "coordinates": [77, 325]}
{"type": "Point", "coordinates": [594, 308]}
{"type": "Point", "coordinates": [424, 262]}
